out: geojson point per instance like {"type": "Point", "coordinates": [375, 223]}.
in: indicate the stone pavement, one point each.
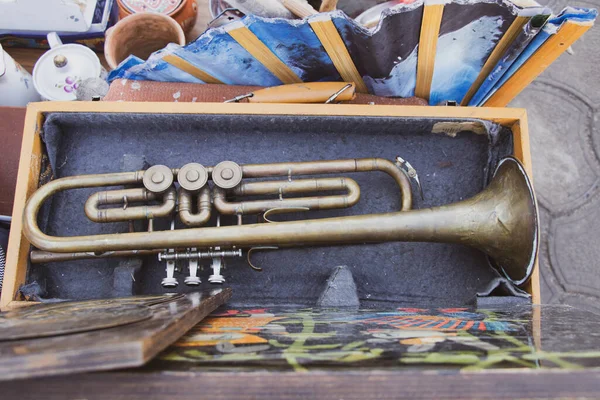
{"type": "Point", "coordinates": [563, 107]}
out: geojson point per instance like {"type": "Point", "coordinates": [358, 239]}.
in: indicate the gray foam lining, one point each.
{"type": "Point", "coordinates": [450, 168]}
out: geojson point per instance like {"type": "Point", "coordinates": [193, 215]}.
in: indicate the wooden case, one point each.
{"type": "Point", "coordinates": [31, 151]}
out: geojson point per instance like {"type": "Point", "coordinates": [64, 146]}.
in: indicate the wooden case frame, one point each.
{"type": "Point", "coordinates": [31, 149]}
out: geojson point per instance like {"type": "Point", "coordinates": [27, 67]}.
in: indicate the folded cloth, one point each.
{"type": "Point", "coordinates": [128, 90]}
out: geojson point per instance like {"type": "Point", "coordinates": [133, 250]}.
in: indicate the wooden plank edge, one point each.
{"type": "Point", "coordinates": [142, 340]}
{"type": "Point", "coordinates": [252, 44]}
{"type": "Point", "coordinates": [328, 5]}
{"type": "Point", "coordinates": [556, 44]}
{"type": "Point", "coordinates": [27, 182]}
{"type": "Point", "coordinates": [522, 151]}
{"type": "Point", "coordinates": [218, 297]}
{"type": "Point", "coordinates": [507, 39]}
{"type": "Point", "coordinates": [426, 54]}
{"type": "Point", "coordinates": [13, 305]}
{"type": "Point", "coordinates": [299, 8]}
{"type": "Point", "coordinates": [502, 115]}
{"type": "Point", "coordinates": [334, 46]}
{"type": "Point", "coordinates": [325, 384]}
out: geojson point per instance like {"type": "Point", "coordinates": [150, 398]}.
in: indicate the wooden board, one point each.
{"type": "Point", "coordinates": [335, 47]}
{"type": "Point", "coordinates": [430, 30]}
{"type": "Point", "coordinates": [27, 182]}
{"type": "Point", "coordinates": [67, 317]}
{"type": "Point", "coordinates": [244, 36]}
{"type": "Point", "coordinates": [356, 385]}
{"type": "Point", "coordinates": [299, 8]}
{"type": "Point", "coordinates": [190, 68]}
{"type": "Point", "coordinates": [126, 345]}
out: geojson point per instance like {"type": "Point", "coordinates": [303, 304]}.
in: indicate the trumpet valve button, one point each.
{"type": "Point", "coordinates": [227, 174]}
{"type": "Point", "coordinates": [192, 281]}
{"type": "Point", "coordinates": [192, 177]}
{"type": "Point", "coordinates": [216, 278]}
{"type": "Point", "coordinates": [158, 178]}
{"type": "Point", "coordinates": [169, 282]}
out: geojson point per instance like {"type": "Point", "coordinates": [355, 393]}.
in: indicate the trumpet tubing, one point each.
{"type": "Point", "coordinates": [500, 221]}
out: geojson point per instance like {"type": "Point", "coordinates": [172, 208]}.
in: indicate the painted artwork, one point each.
{"type": "Point", "coordinates": [549, 29]}
{"type": "Point", "coordinates": [527, 34]}
{"type": "Point", "coordinates": [313, 339]}
{"type": "Point", "coordinates": [385, 56]}
{"type": "Point", "coordinates": [469, 33]}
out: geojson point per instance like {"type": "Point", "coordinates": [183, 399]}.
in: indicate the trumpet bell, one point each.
{"type": "Point", "coordinates": [512, 243]}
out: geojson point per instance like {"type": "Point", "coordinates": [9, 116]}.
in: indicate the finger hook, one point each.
{"type": "Point", "coordinates": [254, 267]}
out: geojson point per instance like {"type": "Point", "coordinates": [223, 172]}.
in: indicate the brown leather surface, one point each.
{"type": "Point", "coordinates": [127, 90]}
{"type": "Point", "coordinates": [12, 120]}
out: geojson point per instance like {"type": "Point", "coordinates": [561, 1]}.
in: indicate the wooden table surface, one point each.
{"type": "Point", "coordinates": [28, 57]}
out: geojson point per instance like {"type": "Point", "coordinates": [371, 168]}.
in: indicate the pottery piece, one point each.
{"type": "Point", "coordinates": [60, 70]}
{"type": "Point", "coordinates": [141, 34]}
{"type": "Point", "coordinates": [16, 84]}
{"type": "Point", "coordinates": [182, 11]}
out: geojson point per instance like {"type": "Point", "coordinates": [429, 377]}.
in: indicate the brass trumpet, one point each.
{"type": "Point", "coordinates": [501, 221]}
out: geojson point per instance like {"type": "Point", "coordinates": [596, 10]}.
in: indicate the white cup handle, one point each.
{"type": "Point", "coordinates": [53, 40]}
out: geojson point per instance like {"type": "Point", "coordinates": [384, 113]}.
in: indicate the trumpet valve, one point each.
{"type": "Point", "coordinates": [216, 277]}
{"type": "Point", "coordinates": [158, 178]}
{"type": "Point", "coordinates": [169, 281]}
{"type": "Point", "coordinates": [227, 174]}
{"type": "Point", "coordinates": [192, 177]}
{"type": "Point", "coordinates": [192, 279]}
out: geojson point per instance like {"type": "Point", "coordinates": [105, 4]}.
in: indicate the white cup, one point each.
{"type": "Point", "coordinates": [16, 84]}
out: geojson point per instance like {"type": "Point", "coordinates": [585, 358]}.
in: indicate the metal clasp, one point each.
{"type": "Point", "coordinates": [410, 172]}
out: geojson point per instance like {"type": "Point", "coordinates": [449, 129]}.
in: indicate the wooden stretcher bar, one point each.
{"type": "Point", "coordinates": [335, 47]}
{"type": "Point", "coordinates": [248, 40]}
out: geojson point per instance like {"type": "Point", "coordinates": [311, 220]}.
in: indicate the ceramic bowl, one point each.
{"type": "Point", "coordinates": [141, 34]}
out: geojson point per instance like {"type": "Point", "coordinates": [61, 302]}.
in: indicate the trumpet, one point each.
{"type": "Point", "coordinates": [501, 221]}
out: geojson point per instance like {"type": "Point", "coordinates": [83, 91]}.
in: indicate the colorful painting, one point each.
{"type": "Point", "coordinates": [385, 56]}
{"type": "Point", "coordinates": [528, 33]}
{"type": "Point", "coordinates": [469, 32]}
{"type": "Point", "coordinates": [574, 14]}
{"type": "Point", "coordinates": [312, 339]}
